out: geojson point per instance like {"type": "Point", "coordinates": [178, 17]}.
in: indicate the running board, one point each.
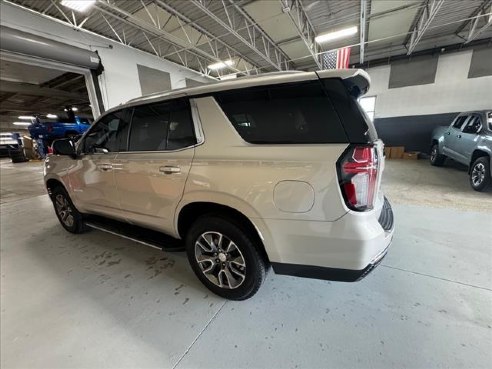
{"type": "Point", "coordinates": [134, 233]}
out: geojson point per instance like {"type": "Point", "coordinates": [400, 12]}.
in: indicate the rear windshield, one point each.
{"type": "Point", "coordinates": [299, 113]}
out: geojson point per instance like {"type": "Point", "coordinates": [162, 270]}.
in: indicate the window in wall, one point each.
{"type": "Point", "coordinates": [368, 104]}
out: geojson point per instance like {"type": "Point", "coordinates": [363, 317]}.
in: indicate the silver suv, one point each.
{"type": "Point", "coordinates": [468, 140]}
{"type": "Point", "coordinates": [280, 170]}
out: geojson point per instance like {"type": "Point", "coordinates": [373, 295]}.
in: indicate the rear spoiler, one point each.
{"type": "Point", "coordinates": [357, 81]}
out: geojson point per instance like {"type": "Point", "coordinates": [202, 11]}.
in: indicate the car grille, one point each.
{"type": "Point", "coordinates": [386, 217]}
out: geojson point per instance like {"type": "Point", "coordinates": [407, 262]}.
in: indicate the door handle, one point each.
{"type": "Point", "coordinates": [105, 167]}
{"type": "Point", "coordinates": [448, 133]}
{"type": "Point", "coordinates": [168, 169]}
{"type": "Point", "coordinates": [459, 136]}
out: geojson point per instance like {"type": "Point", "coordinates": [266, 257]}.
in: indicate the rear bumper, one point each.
{"type": "Point", "coordinates": [326, 273]}
{"type": "Point", "coordinates": [363, 247]}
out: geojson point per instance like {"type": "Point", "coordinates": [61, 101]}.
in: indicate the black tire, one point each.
{"type": "Point", "coordinates": [436, 159]}
{"type": "Point", "coordinates": [480, 178]}
{"type": "Point", "coordinates": [253, 271]}
{"type": "Point", "coordinates": [65, 210]}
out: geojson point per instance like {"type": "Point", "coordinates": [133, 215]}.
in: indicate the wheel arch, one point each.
{"type": "Point", "coordinates": [478, 153]}
{"type": "Point", "coordinates": [52, 183]}
{"type": "Point", "coordinates": [193, 210]}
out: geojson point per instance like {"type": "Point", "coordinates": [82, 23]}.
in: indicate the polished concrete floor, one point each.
{"type": "Point", "coordinates": [98, 301]}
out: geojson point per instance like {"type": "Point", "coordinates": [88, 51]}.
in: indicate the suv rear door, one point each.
{"type": "Point", "coordinates": [451, 136]}
{"type": "Point", "coordinates": [150, 176]}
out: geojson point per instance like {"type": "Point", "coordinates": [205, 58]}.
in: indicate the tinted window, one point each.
{"type": "Point", "coordinates": [299, 113]}
{"type": "Point", "coordinates": [473, 125]}
{"type": "Point", "coordinates": [162, 126]}
{"type": "Point", "coordinates": [109, 133]}
{"type": "Point", "coordinates": [459, 121]}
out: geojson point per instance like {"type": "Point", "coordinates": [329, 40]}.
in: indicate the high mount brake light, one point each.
{"type": "Point", "coordinates": [358, 175]}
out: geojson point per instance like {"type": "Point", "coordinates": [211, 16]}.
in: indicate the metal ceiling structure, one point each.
{"type": "Point", "coordinates": [274, 35]}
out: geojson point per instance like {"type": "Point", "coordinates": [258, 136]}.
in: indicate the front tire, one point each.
{"type": "Point", "coordinates": [70, 218]}
{"type": "Point", "coordinates": [225, 258]}
{"type": "Point", "coordinates": [436, 159]}
{"type": "Point", "coordinates": [480, 178]}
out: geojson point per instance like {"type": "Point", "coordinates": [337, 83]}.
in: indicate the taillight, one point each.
{"type": "Point", "coordinates": [358, 176]}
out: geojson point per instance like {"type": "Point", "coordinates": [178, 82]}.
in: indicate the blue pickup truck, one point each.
{"type": "Point", "coordinates": [51, 130]}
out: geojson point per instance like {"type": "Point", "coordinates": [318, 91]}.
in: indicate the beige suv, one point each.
{"type": "Point", "coordinates": [278, 170]}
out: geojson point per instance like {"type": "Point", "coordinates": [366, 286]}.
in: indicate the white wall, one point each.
{"type": "Point", "coordinates": [119, 81]}
{"type": "Point", "coordinates": [452, 91]}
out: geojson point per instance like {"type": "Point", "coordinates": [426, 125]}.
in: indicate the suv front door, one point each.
{"type": "Point", "coordinates": [151, 175]}
{"type": "Point", "coordinates": [92, 179]}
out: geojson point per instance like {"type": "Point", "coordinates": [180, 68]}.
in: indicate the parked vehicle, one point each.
{"type": "Point", "coordinates": [468, 140]}
{"type": "Point", "coordinates": [9, 141]}
{"type": "Point", "coordinates": [281, 170]}
{"type": "Point", "coordinates": [51, 130]}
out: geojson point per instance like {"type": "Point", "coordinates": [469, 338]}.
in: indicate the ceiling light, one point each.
{"type": "Point", "coordinates": [330, 36]}
{"type": "Point", "coordinates": [51, 116]}
{"type": "Point", "coordinates": [74, 108]}
{"type": "Point", "coordinates": [21, 124]}
{"type": "Point", "coordinates": [221, 65]}
{"type": "Point", "coordinates": [78, 5]}
{"type": "Point", "coordinates": [26, 117]}
{"type": "Point", "coordinates": [228, 76]}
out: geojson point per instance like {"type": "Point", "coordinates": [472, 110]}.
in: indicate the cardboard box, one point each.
{"type": "Point", "coordinates": [387, 152]}
{"type": "Point", "coordinates": [411, 155]}
{"type": "Point", "coordinates": [397, 152]}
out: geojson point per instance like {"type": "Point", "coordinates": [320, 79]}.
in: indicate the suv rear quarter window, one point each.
{"type": "Point", "coordinates": [299, 113]}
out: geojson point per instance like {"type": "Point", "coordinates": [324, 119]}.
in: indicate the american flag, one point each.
{"type": "Point", "coordinates": [337, 59]}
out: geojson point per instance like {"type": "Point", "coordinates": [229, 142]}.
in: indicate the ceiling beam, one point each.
{"type": "Point", "coordinates": [255, 38]}
{"type": "Point", "coordinates": [423, 22]}
{"type": "Point", "coordinates": [35, 90]}
{"type": "Point", "coordinates": [298, 16]}
{"type": "Point", "coordinates": [185, 49]}
{"type": "Point", "coordinates": [188, 22]}
{"type": "Point", "coordinates": [362, 29]}
{"type": "Point", "coordinates": [476, 31]}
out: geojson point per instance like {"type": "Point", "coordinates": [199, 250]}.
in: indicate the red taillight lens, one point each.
{"type": "Point", "coordinates": [358, 172]}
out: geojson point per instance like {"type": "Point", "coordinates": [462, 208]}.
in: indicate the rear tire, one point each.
{"type": "Point", "coordinates": [436, 159]}
{"type": "Point", "coordinates": [480, 178]}
{"type": "Point", "coordinates": [68, 215]}
{"type": "Point", "coordinates": [225, 258]}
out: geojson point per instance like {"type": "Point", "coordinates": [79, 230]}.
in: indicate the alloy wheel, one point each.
{"type": "Point", "coordinates": [478, 174]}
{"type": "Point", "coordinates": [64, 210]}
{"type": "Point", "coordinates": [220, 260]}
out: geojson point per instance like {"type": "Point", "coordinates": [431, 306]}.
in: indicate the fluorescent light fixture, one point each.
{"type": "Point", "coordinates": [21, 124]}
{"type": "Point", "coordinates": [330, 36]}
{"type": "Point", "coordinates": [221, 65]}
{"type": "Point", "coordinates": [74, 108]}
{"type": "Point", "coordinates": [228, 76]}
{"type": "Point", "coordinates": [51, 116]}
{"type": "Point", "coordinates": [78, 5]}
{"type": "Point", "coordinates": [26, 117]}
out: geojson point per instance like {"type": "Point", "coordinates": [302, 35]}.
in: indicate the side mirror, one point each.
{"type": "Point", "coordinates": [64, 146]}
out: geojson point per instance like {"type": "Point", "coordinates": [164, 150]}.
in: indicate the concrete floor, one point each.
{"type": "Point", "coordinates": [98, 301]}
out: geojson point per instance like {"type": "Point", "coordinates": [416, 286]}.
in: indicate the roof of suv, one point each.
{"type": "Point", "coordinates": [359, 75]}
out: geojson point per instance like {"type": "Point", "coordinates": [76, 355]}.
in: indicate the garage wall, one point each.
{"type": "Point", "coordinates": [120, 80]}
{"type": "Point", "coordinates": [407, 115]}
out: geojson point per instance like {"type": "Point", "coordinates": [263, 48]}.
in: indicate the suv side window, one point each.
{"type": "Point", "coordinates": [162, 126]}
{"type": "Point", "coordinates": [473, 125]}
{"type": "Point", "coordinates": [283, 114]}
{"type": "Point", "coordinates": [110, 133]}
{"type": "Point", "coordinates": [459, 121]}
